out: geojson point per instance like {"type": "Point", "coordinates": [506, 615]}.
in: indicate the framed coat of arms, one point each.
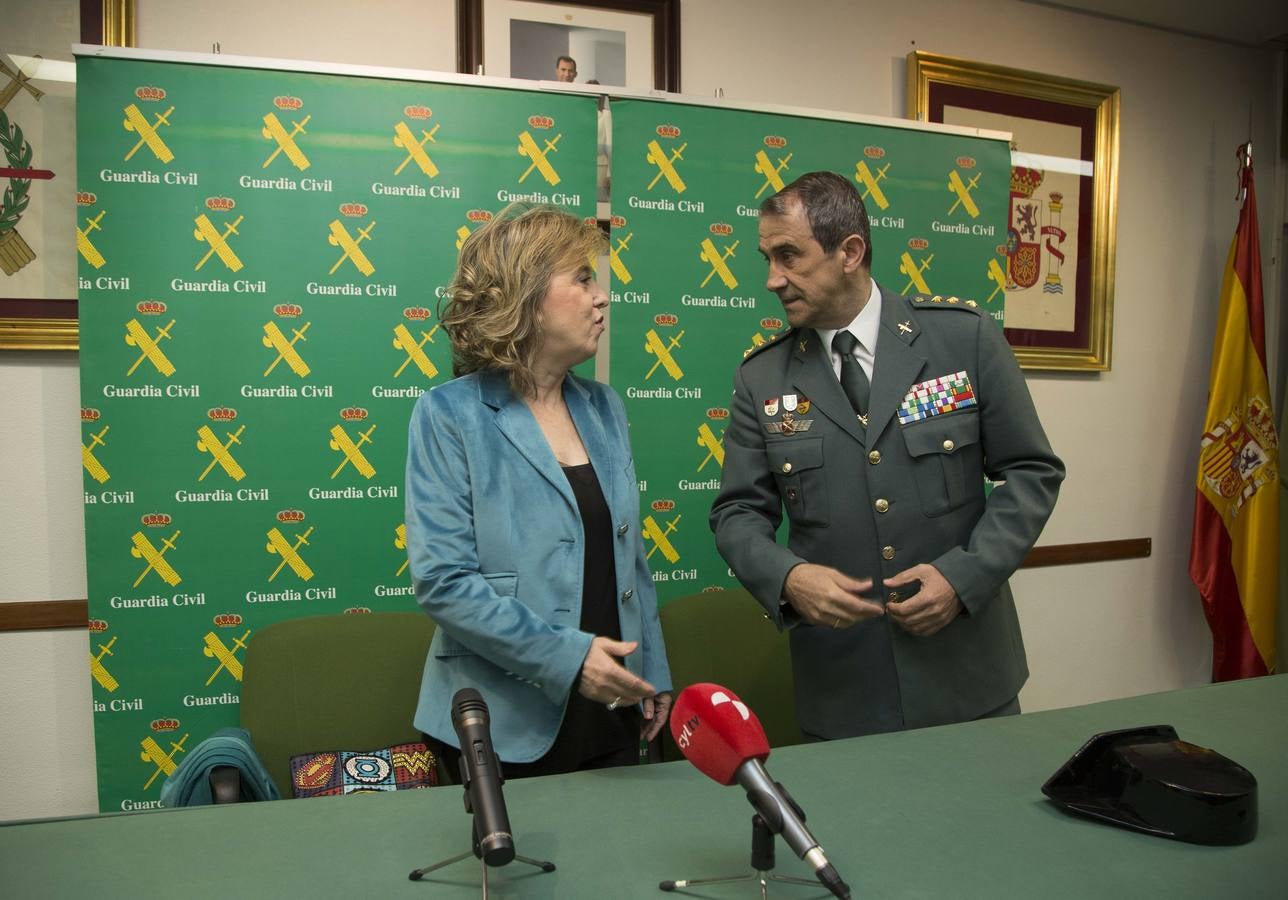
{"type": "Point", "coordinates": [1056, 265]}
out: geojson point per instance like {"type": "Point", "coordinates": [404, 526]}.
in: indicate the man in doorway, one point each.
{"type": "Point", "coordinates": [566, 69]}
{"type": "Point", "coordinates": [874, 420]}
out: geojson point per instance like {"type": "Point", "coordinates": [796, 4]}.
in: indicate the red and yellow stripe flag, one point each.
{"type": "Point", "coordinates": [1234, 555]}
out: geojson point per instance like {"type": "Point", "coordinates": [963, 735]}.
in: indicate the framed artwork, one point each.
{"type": "Point", "coordinates": [37, 207]}
{"type": "Point", "coordinates": [628, 43]}
{"type": "Point", "coordinates": [1057, 264]}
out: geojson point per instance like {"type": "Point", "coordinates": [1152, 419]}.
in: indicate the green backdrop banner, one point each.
{"type": "Point", "coordinates": [261, 257]}
{"type": "Point", "coordinates": [688, 285]}
{"type": "Point", "coordinates": [262, 254]}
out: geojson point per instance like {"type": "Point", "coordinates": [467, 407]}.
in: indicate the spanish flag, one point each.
{"type": "Point", "coordinates": [1234, 554]}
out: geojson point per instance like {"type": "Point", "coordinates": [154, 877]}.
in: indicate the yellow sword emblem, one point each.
{"type": "Point", "coordinates": [205, 231]}
{"type": "Point", "coordinates": [165, 763]}
{"type": "Point", "coordinates": [273, 130]}
{"type": "Point", "coordinates": [415, 149]}
{"type": "Point", "coordinates": [962, 191]}
{"type": "Point", "coordinates": [341, 441]}
{"type": "Point", "coordinates": [461, 234]}
{"type": "Point", "coordinates": [143, 549]}
{"type": "Point", "coordinates": [147, 132]}
{"type": "Point", "coordinates": [208, 443]}
{"type": "Point", "coordinates": [340, 237]}
{"type": "Point", "coordinates": [85, 246]}
{"type": "Point", "coordinates": [713, 256]}
{"type": "Point", "coordinates": [135, 336]}
{"type": "Point", "coordinates": [528, 147]}
{"type": "Point", "coordinates": [997, 276]}
{"type": "Point", "coordinates": [90, 462]}
{"type": "Point", "coordinates": [653, 344]}
{"type": "Point", "coordinates": [289, 554]}
{"type": "Point", "coordinates": [666, 167]}
{"type": "Point", "coordinates": [715, 445]}
{"type": "Point", "coordinates": [872, 183]}
{"type": "Point", "coordinates": [654, 533]}
{"type": "Point", "coordinates": [770, 171]}
{"type": "Point", "coordinates": [216, 649]}
{"type": "Point", "coordinates": [101, 675]}
{"type": "Point", "coordinates": [615, 259]}
{"type": "Point", "coordinates": [400, 541]}
{"type": "Point", "coordinates": [913, 271]}
{"type": "Point", "coordinates": [275, 340]}
{"type": "Point", "coordinates": [404, 341]}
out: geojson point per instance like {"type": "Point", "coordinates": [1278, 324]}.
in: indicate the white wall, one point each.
{"type": "Point", "coordinates": [1129, 436]}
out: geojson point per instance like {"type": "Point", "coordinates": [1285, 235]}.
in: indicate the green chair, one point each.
{"type": "Point", "coordinates": [725, 638]}
{"type": "Point", "coordinates": [341, 682]}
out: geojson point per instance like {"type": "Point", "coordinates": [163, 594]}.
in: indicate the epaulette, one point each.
{"type": "Point", "coordinates": [929, 301]}
{"type": "Point", "coordinates": [771, 341]}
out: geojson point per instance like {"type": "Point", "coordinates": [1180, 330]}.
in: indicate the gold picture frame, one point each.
{"type": "Point", "coordinates": [1070, 131]}
{"type": "Point", "coordinates": [52, 323]}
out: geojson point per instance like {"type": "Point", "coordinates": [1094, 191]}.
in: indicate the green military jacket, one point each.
{"type": "Point", "coordinates": [874, 501]}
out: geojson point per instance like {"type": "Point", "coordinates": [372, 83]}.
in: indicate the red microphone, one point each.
{"type": "Point", "coordinates": [723, 738]}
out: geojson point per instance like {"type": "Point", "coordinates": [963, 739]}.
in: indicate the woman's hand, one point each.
{"type": "Point", "coordinates": [655, 712]}
{"type": "Point", "coordinates": [605, 680]}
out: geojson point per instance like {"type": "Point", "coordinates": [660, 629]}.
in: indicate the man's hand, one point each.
{"type": "Point", "coordinates": [827, 597]}
{"type": "Point", "coordinates": [928, 610]}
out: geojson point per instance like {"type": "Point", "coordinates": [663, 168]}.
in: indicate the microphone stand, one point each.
{"type": "Point", "coordinates": [762, 864]}
{"type": "Point", "coordinates": [476, 849]}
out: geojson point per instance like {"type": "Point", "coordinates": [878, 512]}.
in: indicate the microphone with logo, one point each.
{"type": "Point", "coordinates": [725, 741]}
{"type": "Point", "coordinates": [482, 779]}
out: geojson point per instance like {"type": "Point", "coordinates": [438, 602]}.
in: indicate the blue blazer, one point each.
{"type": "Point", "coordinates": [497, 547]}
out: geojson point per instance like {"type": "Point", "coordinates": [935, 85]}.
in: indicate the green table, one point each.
{"type": "Point", "coordinates": [941, 812]}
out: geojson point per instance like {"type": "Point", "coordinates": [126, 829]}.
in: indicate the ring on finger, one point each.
{"type": "Point", "coordinates": [837, 623]}
{"type": "Point", "coordinates": [615, 702]}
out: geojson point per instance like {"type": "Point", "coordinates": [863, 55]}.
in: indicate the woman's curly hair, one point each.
{"type": "Point", "coordinates": [504, 271]}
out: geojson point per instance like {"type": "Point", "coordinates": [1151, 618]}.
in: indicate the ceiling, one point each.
{"type": "Point", "coordinates": [1254, 23]}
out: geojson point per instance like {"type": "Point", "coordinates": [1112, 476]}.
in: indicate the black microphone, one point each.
{"type": "Point", "coordinates": [481, 775]}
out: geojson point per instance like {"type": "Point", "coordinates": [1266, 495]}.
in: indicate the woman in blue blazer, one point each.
{"type": "Point", "coordinates": [523, 512]}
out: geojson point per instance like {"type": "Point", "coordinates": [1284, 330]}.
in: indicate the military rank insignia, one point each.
{"type": "Point", "coordinates": [936, 396]}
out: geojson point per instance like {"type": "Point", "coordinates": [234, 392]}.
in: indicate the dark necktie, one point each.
{"type": "Point", "coordinates": [853, 380]}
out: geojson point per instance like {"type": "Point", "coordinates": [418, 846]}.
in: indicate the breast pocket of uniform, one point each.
{"type": "Point", "coordinates": [945, 460]}
{"type": "Point", "coordinates": [797, 465]}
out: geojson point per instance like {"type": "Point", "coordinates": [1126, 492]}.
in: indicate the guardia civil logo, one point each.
{"type": "Point", "coordinates": [289, 551]}
{"type": "Point", "coordinates": [89, 461]}
{"type": "Point", "coordinates": [351, 247]}
{"type": "Point", "coordinates": [216, 240]}
{"type": "Point", "coordinates": [665, 159]}
{"type": "Point", "coordinates": [413, 351]}
{"type": "Point", "coordinates": [155, 556]}
{"type": "Point", "coordinates": [149, 344]}
{"type": "Point", "coordinates": [286, 142]}
{"type": "Point", "coordinates": [718, 260]}
{"type": "Point", "coordinates": [870, 177]}
{"type": "Point", "coordinates": [148, 129]}
{"type": "Point", "coordinates": [916, 268]}
{"type": "Point", "coordinates": [658, 535]}
{"type": "Point", "coordinates": [541, 159]}
{"type": "Point", "coordinates": [286, 349]}
{"type": "Point", "coordinates": [349, 448]}
{"type": "Point", "coordinates": [414, 146]}
{"type": "Point", "coordinates": [664, 353]}
{"type": "Point", "coordinates": [772, 171]}
{"type": "Point", "coordinates": [220, 451]}
{"type": "Point", "coordinates": [707, 439]}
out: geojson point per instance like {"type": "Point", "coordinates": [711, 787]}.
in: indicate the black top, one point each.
{"type": "Point", "coordinates": [591, 730]}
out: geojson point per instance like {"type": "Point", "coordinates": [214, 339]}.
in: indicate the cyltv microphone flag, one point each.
{"type": "Point", "coordinates": [1234, 554]}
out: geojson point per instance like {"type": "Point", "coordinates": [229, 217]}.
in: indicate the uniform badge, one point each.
{"type": "Point", "coordinates": [906, 326]}
{"type": "Point", "coordinates": [789, 402]}
{"type": "Point", "coordinates": [802, 405]}
{"type": "Point", "coordinates": [771, 406]}
{"type": "Point", "coordinates": [936, 397]}
{"type": "Point", "coordinates": [789, 425]}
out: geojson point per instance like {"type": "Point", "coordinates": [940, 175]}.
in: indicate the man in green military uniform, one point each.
{"type": "Point", "coordinates": [873, 421]}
